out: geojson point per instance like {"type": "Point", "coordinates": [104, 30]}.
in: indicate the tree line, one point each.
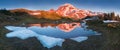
{"type": "Point", "coordinates": [110, 16]}
{"type": "Point", "coordinates": [8, 15]}
{"type": "Point", "coordinates": [19, 14]}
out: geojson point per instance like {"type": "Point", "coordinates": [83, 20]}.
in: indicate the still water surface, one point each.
{"type": "Point", "coordinates": [51, 35]}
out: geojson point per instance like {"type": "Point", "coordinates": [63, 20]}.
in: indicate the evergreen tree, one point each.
{"type": "Point", "coordinates": [5, 12]}
{"type": "Point", "coordinates": [113, 16]}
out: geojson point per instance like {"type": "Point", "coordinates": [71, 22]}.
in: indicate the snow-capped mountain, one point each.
{"type": "Point", "coordinates": [72, 12]}
{"type": "Point", "coordinates": [66, 10]}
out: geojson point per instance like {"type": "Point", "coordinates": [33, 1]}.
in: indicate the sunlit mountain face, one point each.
{"type": "Point", "coordinates": [51, 35]}
{"type": "Point", "coordinates": [66, 10]}
{"type": "Point", "coordinates": [73, 12]}
{"type": "Point", "coordinates": [70, 11]}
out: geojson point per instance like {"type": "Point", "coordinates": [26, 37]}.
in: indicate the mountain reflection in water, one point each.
{"type": "Point", "coordinates": [51, 35]}
{"type": "Point", "coordinates": [63, 27]}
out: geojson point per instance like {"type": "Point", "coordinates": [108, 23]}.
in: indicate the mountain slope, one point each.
{"type": "Point", "coordinates": [64, 11]}
{"type": "Point", "coordinates": [73, 12]}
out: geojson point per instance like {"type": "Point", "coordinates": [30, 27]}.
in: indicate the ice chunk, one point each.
{"type": "Point", "coordinates": [79, 39]}
{"type": "Point", "coordinates": [54, 38]}
{"type": "Point", "coordinates": [22, 34]}
{"type": "Point", "coordinates": [26, 33]}
{"type": "Point", "coordinates": [13, 28]}
{"type": "Point", "coordinates": [50, 41]}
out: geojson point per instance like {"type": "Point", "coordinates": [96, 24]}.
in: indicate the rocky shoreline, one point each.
{"type": "Point", "coordinates": [110, 34]}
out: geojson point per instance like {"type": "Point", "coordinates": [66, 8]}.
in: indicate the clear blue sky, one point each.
{"type": "Point", "coordinates": [94, 5]}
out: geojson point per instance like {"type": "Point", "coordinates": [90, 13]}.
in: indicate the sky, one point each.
{"type": "Point", "coordinates": [93, 5]}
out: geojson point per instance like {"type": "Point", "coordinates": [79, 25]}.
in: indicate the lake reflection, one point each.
{"type": "Point", "coordinates": [51, 35]}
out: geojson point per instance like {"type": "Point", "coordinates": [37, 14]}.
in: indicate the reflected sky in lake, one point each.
{"type": "Point", "coordinates": [51, 35]}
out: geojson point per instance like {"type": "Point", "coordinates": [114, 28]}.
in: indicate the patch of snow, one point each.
{"type": "Point", "coordinates": [42, 35]}
{"type": "Point", "coordinates": [79, 39]}
{"type": "Point", "coordinates": [26, 33]}
{"type": "Point", "coordinates": [50, 41]}
{"type": "Point", "coordinates": [14, 28]}
{"type": "Point", "coordinates": [89, 19]}
{"type": "Point", "coordinates": [109, 21]}
{"type": "Point", "coordinates": [22, 34]}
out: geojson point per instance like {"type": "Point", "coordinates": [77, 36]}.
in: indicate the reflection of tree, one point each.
{"type": "Point", "coordinates": [44, 25]}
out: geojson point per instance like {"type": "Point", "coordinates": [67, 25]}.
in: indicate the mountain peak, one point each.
{"type": "Point", "coordinates": [66, 9]}
{"type": "Point", "coordinates": [68, 4]}
{"type": "Point", "coordinates": [72, 12]}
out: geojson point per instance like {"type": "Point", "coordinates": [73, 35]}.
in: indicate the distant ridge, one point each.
{"type": "Point", "coordinates": [66, 10]}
